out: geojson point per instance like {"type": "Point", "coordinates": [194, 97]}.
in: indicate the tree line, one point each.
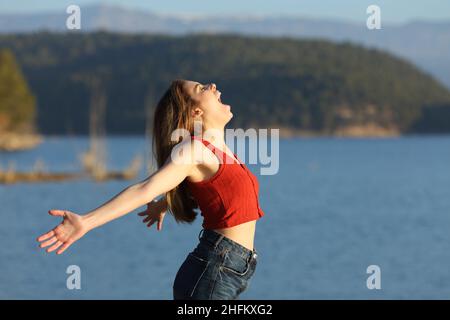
{"type": "Point", "coordinates": [311, 85]}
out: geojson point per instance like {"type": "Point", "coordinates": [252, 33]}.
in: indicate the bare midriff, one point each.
{"type": "Point", "coordinates": [243, 233]}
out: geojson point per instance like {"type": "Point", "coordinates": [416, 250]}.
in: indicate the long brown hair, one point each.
{"type": "Point", "coordinates": [172, 112]}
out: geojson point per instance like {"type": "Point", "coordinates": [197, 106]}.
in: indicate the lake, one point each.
{"type": "Point", "coordinates": [335, 207]}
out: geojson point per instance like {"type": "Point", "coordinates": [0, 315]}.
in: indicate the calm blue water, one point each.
{"type": "Point", "coordinates": [335, 207]}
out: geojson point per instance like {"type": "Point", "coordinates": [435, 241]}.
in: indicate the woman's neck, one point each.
{"type": "Point", "coordinates": [215, 136]}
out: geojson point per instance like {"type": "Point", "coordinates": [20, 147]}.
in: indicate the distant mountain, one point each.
{"type": "Point", "coordinates": [427, 44]}
{"type": "Point", "coordinates": [300, 85]}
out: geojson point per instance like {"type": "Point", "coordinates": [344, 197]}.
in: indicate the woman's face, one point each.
{"type": "Point", "coordinates": [210, 107]}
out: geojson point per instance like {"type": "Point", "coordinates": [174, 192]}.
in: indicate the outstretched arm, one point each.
{"type": "Point", "coordinates": [74, 226]}
{"type": "Point", "coordinates": [165, 179]}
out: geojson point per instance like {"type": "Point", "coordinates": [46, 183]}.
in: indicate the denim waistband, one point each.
{"type": "Point", "coordinates": [217, 239]}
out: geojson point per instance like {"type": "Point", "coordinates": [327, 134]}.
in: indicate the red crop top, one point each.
{"type": "Point", "coordinates": [230, 196]}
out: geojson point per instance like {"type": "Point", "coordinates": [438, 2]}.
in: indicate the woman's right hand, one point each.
{"type": "Point", "coordinates": [156, 210]}
{"type": "Point", "coordinates": [67, 232]}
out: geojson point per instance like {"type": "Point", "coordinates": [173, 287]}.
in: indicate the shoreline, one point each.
{"type": "Point", "coordinates": [356, 131]}
{"type": "Point", "coordinates": [13, 141]}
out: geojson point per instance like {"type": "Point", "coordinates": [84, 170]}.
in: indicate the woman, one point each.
{"type": "Point", "coordinates": [196, 173]}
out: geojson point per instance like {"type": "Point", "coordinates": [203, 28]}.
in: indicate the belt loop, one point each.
{"type": "Point", "coordinates": [200, 234]}
{"type": "Point", "coordinates": [221, 236]}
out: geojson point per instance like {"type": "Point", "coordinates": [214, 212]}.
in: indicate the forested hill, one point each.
{"type": "Point", "coordinates": [305, 85]}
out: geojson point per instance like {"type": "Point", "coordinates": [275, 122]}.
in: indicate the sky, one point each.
{"type": "Point", "coordinates": [393, 11]}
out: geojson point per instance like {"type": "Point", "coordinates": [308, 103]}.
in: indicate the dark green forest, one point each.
{"type": "Point", "coordinates": [309, 85]}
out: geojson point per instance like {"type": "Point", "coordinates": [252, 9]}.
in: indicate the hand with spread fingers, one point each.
{"type": "Point", "coordinates": [156, 210]}
{"type": "Point", "coordinates": [65, 234]}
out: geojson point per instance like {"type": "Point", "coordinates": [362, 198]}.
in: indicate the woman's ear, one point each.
{"type": "Point", "coordinates": [196, 112]}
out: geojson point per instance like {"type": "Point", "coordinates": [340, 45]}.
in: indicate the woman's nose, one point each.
{"type": "Point", "coordinates": [213, 85]}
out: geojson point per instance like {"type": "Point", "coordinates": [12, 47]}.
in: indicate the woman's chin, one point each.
{"type": "Point", "coordinates": [227, 107]}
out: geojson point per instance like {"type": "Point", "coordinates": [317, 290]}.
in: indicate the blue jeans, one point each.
{"type": "Point", "coordinates": [218, 269]}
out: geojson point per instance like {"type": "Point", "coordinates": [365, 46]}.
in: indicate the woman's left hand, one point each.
{"type": "Point", "coordinates": [156, 210]}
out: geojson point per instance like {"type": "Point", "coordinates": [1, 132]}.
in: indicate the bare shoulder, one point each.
{"type": "Point", "coordinates": [203, 162]}
{"type": "Point", "coordinates": [190, 151]}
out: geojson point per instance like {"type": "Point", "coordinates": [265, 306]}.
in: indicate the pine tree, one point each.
{"type": "Point", "coordinates": [17, 103]}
